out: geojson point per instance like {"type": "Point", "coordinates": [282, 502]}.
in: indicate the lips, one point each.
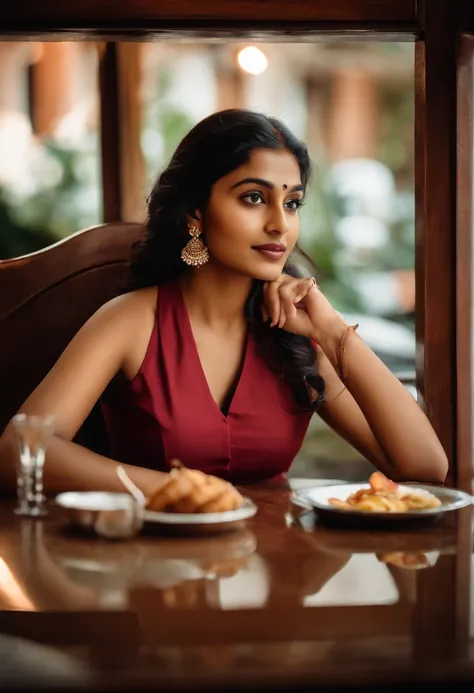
{"type": "Point", "coordinates": [272, 251]}
{"type": "Point", "coordinates": [272, 247]}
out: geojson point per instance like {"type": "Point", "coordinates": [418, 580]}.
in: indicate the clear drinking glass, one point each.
{"type": "Point", "coordinates": [32, 434]}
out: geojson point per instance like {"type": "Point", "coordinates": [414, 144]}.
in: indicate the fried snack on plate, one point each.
{"type": "Point", "coordinates": [384, 496]}
{"type": "Point", "coordinates": [191, 491]}
{"type": "Point", "coordinates": [408, 560]}
{"type": "Point", "coordinates": [379, 482]}
{"type": "Point", "coordinates": [413, 501]}
{"type": "Point", "coordinates": [179, 484]}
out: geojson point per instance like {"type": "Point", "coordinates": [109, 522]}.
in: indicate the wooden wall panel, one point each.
{"type": "Point", "coordinates": [435, 188]}
{"type": "Point", "coordinates": [464, 263]}
{"type": "Point", "coordinates": [110, 132]}
{"type": "Point", "coordinates": [123, 166]}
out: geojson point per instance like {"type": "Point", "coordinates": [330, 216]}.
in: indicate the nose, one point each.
{"type": "Point", "coordinates": [276, 223]}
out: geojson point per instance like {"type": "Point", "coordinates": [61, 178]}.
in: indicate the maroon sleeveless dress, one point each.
{"type": "Point", "coordinates": [167, 411]}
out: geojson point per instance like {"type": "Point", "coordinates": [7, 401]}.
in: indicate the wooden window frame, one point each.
{"type": "Point", "coordinates": [443, 146]}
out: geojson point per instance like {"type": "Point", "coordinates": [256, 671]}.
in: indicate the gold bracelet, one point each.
{"type": "Point", "coordinates": [341, 361]}
{"type": "Point", "coordinates": [330, 401]}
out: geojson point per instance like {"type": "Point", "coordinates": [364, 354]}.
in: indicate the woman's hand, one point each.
{"type": "Point", "coordinates": [298, 306]}
{"type": "Point", "coordinates": [374, 413]}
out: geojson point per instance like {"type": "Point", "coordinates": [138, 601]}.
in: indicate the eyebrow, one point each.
{"type": "Point", "coordinates": [266, 184]}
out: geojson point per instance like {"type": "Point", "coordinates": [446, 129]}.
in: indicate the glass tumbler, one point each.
{"type": "Point", "coordinates": [32, 434]}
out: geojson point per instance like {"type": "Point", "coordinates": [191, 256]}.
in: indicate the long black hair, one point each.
{"type": "Point", "coordinates": [213, 148]}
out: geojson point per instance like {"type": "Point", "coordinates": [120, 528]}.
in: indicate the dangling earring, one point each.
{"type": "Point", "coordinates": [195, 252]}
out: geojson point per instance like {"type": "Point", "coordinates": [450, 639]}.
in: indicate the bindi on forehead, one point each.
{"type": "Point", "coordinates": [284, 186]}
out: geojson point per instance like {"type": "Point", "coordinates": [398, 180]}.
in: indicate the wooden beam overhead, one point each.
{"type": "Point", "coordinates": [466, 16]}
{"type": "Point", "coordinates": [206, 17]}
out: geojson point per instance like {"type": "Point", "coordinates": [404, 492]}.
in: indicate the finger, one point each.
{"type": "Point", "coordinates": [304, 288]}
{"type": "Point", "coordinates": [287, 306]}
{"type": "Point", "coordinates": [282, 317]}
{"type": "Point", "coordinates": [265, 313]}
{"type": "Point", "coordinates": [272, 301]}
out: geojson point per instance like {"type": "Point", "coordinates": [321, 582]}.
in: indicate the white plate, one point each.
{"type": "Point", "coordinates": [318, 499]}
{"type": "Point", "coordinates": [204, 521]}
{"type": "Point", "coordinates": [94, 501]}
{"type": "Point", "coordinates": [299, 483]}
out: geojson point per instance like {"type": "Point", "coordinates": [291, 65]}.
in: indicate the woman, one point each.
{"type": "Point", "coordinates": [222, 350]}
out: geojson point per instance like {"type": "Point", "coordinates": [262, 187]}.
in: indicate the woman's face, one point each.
{"type": "Point", "coordinates": [251, 222]}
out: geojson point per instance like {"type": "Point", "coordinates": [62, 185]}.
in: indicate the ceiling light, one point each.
{"type": "Point", "coordinates": [252, 60]}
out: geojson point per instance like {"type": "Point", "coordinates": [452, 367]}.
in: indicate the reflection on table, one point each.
{"type": "Point", "coordinates": [280, 593]}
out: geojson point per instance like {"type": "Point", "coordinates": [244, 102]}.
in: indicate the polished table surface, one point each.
{"type": "Point", "coordinates": [281, 601]}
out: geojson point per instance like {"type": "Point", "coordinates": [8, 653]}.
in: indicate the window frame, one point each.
{"type": "Point", "coordinates": [443, 172]}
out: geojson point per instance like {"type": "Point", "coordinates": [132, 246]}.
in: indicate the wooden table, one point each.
{"type": "Point", "coordinates": [278, 602]}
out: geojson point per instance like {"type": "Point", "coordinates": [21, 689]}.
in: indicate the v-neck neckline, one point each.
{"type": "Point", "coordinates": [236, 385]}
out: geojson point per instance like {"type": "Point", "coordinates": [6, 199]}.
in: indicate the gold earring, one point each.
{"type": "Point", "coordinates": [195, 252]}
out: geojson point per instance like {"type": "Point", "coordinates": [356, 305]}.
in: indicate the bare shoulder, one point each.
{"type": "Point", "coordinates": [117, 333]}
{"type": "Point", "coordinates": [129, 308]}
{"type": "Point", "coordinates": [133, 316]}
{"type": "Point", "coordinates": [114, 339]}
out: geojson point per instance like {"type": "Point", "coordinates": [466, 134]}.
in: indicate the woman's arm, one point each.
{"type": "Point", "coordinates": [343, 414]}
{"type": "Point", "coordinates": [71, 467]}
{"type": "Point", "coordinates": [376, 414]}
{"type": "Point", "coordinates": [100, 349]}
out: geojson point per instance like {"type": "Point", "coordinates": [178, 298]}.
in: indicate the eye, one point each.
{"type": "Point", "coordinates": [294, 205]}
{"type": "Point", "coordinates": [253, 198]}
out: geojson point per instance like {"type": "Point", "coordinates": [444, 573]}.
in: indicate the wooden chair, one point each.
{"type": "Point", "coordinates": [45, 297]}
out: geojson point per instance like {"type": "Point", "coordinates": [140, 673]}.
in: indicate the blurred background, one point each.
{"type": "Point", "coordinates": [351, 102]}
